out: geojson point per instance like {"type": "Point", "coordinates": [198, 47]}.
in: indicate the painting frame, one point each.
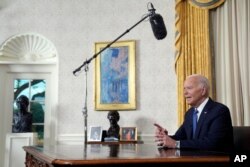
{"type": "Point", "coordinates": [115, 76]}
{"type": "Point", "coordinates": [95, 133]}
{"type": "Point", "coordinates": [132, 131]}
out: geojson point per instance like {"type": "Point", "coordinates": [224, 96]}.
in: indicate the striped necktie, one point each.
{"type": "Point", "coordinates": [194, 121]}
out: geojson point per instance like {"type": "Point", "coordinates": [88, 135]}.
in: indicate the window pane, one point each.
{"type": "Point", "coordinates": [18, 83]}
{"type": "Point", "coordinates": [38, 90]}
{"type": "Point", "coordinates": [35, 91]}
{"type": "Point", "coordinates": [40, 132]}
{"type": "Point", "coordinates": [21, 87]}
{"type": "Point", "coordinates": [37, 110]}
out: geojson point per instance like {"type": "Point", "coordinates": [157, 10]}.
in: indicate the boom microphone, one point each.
{"type": "Point", "coordinates": [157, 24]}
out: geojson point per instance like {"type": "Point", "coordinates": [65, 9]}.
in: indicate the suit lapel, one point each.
{"type": "Point", "coordinates": [203, 117]}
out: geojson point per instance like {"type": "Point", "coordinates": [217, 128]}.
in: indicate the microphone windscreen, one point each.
{"type": "Point", "coordinates": [158, 26]}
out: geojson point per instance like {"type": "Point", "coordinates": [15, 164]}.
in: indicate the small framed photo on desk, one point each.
{"type": "Point", "coordinates": [128, 134]}
{"type": "Point", "coordinates": [95, 133]}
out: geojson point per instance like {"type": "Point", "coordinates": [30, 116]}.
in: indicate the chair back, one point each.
{"type": "Point", "coordinates": [241, 138]}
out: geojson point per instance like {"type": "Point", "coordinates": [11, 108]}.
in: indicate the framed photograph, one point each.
{"type": "Point", "coordinates": [95, 133]}
{"type": "Point", "coordinates": [115, 76]}
{"type": "Point", "coordinates": [128, 134]}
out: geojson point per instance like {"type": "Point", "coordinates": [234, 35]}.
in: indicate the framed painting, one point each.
{"type": "Point", "coordinates": [115, 76]}
{"type": "Point", "coordinates": [128, 134]}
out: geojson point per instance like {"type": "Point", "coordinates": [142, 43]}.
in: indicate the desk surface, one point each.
{"type": "Point", "coordinates": [94, 154]}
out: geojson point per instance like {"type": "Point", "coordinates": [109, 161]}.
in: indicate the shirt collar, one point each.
{"type": "Point", "coordinates": [202, 105]}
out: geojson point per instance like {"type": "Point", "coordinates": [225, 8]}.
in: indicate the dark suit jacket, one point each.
{"type": "Point", "coordinates": [214, 129]}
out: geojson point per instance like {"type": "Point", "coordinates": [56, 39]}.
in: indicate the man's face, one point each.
{"type": "Point", "coordinates": [194, 92]}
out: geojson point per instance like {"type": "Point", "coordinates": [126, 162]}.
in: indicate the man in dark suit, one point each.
{"type": "Point", "coordinates": [207, 124]}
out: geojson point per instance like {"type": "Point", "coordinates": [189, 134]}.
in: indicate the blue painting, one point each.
{"type": "Point", "coordinates": [114, 75]}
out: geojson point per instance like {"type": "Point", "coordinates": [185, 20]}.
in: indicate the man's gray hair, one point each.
{"type": "Point", "coordinates": [202, 80]}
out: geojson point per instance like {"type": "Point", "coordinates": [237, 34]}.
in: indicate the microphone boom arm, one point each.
{"type": "Point", "coordinates": [108, 45]}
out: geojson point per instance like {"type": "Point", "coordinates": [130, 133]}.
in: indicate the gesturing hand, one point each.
{"type": "Point", "coordinates": [160, 129]}
{"type": "Point", "coordinates": [162, 138]}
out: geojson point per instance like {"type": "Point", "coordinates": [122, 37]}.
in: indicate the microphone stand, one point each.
{"type": "Point", "coordinates": [85, 109]}
{"type": "Point", "coordinates": [86, 63]}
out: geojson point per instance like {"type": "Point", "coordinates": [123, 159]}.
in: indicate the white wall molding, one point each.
{"type": "Point", "coordinates": [14, 153]}
{"type": "Point", "coordinates": [28, 48]}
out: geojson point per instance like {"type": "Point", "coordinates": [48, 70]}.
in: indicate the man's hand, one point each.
{"type": "Point", "coordinates": [162, 138]}
{"type": "Point", "coordinates": [160, 129]}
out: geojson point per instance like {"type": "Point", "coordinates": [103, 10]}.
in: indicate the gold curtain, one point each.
{"type": "Point", "coordinates": [192, 42]}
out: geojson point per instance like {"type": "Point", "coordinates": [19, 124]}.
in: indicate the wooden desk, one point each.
{"type": "Point", "coordinates": [119, 155]}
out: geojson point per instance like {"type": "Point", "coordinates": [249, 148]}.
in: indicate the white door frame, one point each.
{"type": "Point", "coordinates": [11, 72]}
